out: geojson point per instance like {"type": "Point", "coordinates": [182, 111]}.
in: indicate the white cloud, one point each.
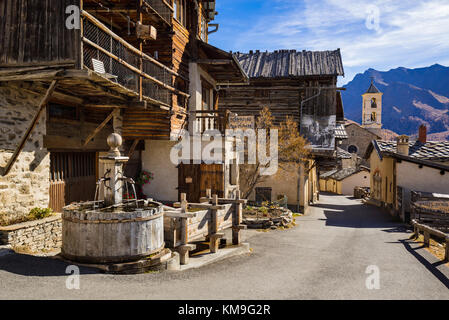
{"type": "Point", "coordinates": [412, 33]}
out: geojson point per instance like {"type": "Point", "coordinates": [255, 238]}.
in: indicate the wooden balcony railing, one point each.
{"type": "Point", "coordinates": [161, 8]}
{"type": "Point", "coordinates": [125, 64]}
{"type": "Point", "coordinates": [209, 120]}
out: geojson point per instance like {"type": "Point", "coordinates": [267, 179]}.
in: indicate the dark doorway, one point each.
{"type": "Point", "coordinates": [72, 178]}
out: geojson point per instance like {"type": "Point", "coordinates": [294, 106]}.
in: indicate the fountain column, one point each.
{"type": "Point", "coordinates": [113, 166]}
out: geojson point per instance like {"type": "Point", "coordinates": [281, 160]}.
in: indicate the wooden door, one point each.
{"type": "Point", "coordinates": [72, 178]}
{"type": "Point", "coordinates": [195, 179]}
{"type": "Point", "coordinates": [212, 177]}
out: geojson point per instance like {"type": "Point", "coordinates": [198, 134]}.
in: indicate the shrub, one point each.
{"type": "Point", "coordinates": [40, 213]}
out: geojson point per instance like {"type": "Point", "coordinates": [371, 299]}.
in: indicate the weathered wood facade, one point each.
{"type": "Point", "coordinates": [107, 66]}
{"type": "Point", "coordinates": [296, 84]}
{"type": "Point", "coordinates": [282, 79]}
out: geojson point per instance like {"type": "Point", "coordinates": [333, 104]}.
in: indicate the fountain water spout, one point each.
{"type": "Point", "coordinates": [113, 164]}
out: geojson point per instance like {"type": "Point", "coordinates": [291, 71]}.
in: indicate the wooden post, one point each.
{"type": "Point", "coordinates": [426, 238]}
{"type": "Point", "coordinates": [184, 225]}
{"type": "Point", "coordinates": [184, 253]}
{"type": "Point", "coordinates": [141, 50]}
{"type": "Point", "coordinates": [416, 231]}
{"type": "Point", "coordinates": [446, 252]}
{"type": "Point", "coordinates": [214, 236]}
{"type": "Point", "coordinates": [35, 120]}
{"type": "Point", "coordinates": [209, 193]}
{"type": "Point", "coordinates": [237, 220]}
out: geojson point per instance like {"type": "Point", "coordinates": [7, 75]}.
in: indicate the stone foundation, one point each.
{"type": "Point", "coordinates": [27, 184]}
{"type": "Point", "coordinates": [38, 235]}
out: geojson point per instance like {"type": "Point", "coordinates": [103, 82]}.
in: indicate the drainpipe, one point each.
{"type": "Point", "coordinates": [298, 195]}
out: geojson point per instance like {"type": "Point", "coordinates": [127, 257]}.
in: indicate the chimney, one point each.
{"type": "Point", "coordinates": [402, 145]}
{"type": "Point", "coordinates": [354, 160]}
{"type": "Point", "coordinates": [422, 133]}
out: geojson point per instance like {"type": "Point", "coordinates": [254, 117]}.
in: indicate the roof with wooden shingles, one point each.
{"type": "Point", "coordinates": [291, 63]}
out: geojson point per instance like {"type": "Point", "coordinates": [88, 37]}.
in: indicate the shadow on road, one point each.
{"type": "Point", "coordinates": [432, 267]}
{"type": "Point", "coordinates": [356, 215]}
{"type": "Point", "coordinates": [27, 265]}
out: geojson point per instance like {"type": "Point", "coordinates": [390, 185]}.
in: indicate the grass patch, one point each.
{"type": "Point", "coordinates": [34, 214]}
{"type": "Point", "coordinates": [23, 250]}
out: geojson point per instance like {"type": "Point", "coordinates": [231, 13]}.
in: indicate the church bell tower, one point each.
{"type": "Point", "coordinates": [372, 110]}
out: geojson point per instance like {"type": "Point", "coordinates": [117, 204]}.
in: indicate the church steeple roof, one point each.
{"type": "Point", "coordinates": [372, 88]}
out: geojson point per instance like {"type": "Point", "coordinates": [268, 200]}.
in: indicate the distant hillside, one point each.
{"type": "Point", "coordinates": [411, 97]}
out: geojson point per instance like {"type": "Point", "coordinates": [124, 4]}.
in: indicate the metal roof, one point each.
{"type": "Point", "coordinates": [290, 63]}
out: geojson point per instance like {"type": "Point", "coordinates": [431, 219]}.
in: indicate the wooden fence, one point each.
{"type": "Point", "coordinates": [195, 221]}
{"type": "Point", "coordinates": [428, 231]}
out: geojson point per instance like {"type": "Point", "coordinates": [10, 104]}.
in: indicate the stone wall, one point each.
{"type": "Point", "coordinates": [39, 235]}
{"type": "Point", "coordinates": [359, 137]}
{"type": "Point", "coordinates": [27, 184]}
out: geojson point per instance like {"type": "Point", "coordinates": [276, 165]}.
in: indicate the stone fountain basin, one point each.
{"type": "Point", "coordinates": [121, 233]}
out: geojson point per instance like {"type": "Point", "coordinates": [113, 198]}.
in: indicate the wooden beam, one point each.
{"type": "Point", "coordinates": [116, 104]}
{"type": "Point", "coordinates": [214, 61]}
{"type": "Point", "coordinates": [13, 71]}
{"type": "Point", "coordinates": [133, 148]}
{"type": "Point", "coordinates": [131, 151]}
{"type": "Point", "coordinates": [57, 96]}
{"type": "Point", "coordinates": [101, 126]}
{"type": "Point", "coordinates": [41, 75]}
{"type": "Point", "coordinates": [35, 120]}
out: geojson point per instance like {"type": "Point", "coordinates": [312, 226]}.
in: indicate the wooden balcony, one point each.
{"type": "Point", "coordinates": [204, 120]}
{"type": "Point", "coordinates": [158, 11]}
{"type": "Point", "coordinates": [126, 65]}
{"type": "Point", "coordinates": [161, 8]}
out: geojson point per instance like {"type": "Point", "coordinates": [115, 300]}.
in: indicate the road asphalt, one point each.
{"type": "Point", "coordinates": [335, 251]}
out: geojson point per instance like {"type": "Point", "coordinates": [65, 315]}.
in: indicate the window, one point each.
{"type": "Point", "coordinates": [352, 149]}
{"type": "Point", "coordinates": [373, 103]}
{"type": "Point", "coordinates": [180, 10]}
{"type": "Point", "coordinates": [56, 111]}
{"type": "Point", "coordinates": [206, 93]}
{"type": "Point", "coordinates": [373, 116]}
{"type": "Point", "coordinates": [263, 194]}
{"type": "Point", "coordinates": [203, 29]}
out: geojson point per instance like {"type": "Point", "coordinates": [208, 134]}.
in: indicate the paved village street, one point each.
{"type": "Point", "coordinates": [325, 257]}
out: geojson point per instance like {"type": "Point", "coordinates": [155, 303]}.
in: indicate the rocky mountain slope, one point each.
{"type": "Point", "coordinates": [411, 97]}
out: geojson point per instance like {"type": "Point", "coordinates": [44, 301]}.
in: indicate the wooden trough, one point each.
{"type": "Point", "coordinates": [196, 221]}
{"type": "Point", "coordinates": [99, 236]}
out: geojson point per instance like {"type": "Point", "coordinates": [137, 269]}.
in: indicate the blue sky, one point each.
{"type": "Point", "coordinates": [379, 34]}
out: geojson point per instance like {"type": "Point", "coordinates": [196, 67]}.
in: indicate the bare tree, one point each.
{"type": "Point", "coordinates": [292, 151]}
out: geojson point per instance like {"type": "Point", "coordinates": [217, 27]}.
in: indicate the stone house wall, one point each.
{"type": "Point", "coordinates": [27, 184]}
{"type": "Point", "coordinates": [359, 137]}
{"type": "Point", "coordinates": [44, 234]}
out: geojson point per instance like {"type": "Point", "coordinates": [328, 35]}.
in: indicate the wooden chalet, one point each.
{"type": "Point", "coordinates": [298, 84]}
{"type": "Point", "coordinates": [103, 66]}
